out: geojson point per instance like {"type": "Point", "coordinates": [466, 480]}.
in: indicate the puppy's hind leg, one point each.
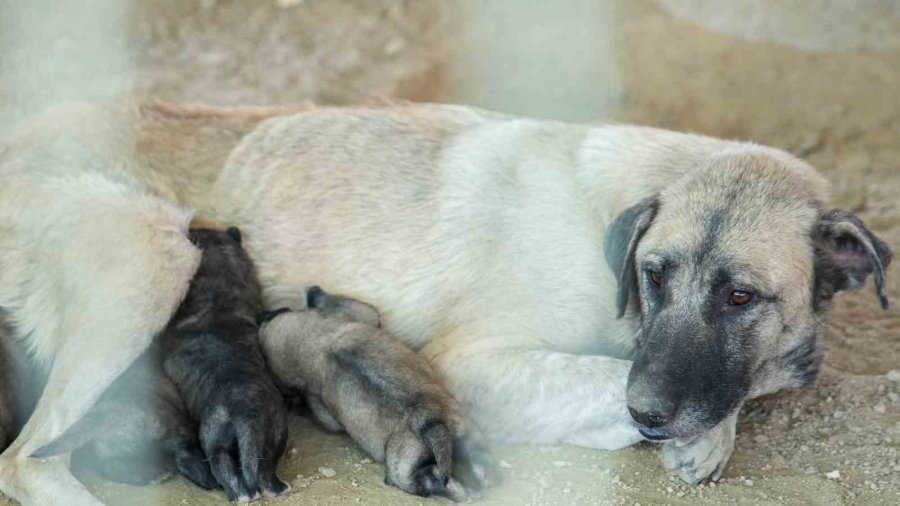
{"type": "Point", "coordinates": [90, 277]}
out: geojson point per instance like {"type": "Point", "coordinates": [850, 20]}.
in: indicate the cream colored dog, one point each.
{"type": "Point", "coordinates": [501, 248]}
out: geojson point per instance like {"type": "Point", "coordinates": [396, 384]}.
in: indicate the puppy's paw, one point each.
{"type": "Point", "coordinates": [704, 456]}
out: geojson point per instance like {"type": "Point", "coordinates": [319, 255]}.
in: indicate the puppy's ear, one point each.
{"type": "Point", "coordinates": [235, 234]}
{"type": "Point", "coordinates": [315, 297]}
{"type": "Point", "coordinates": [846, 253]}
{"type": "Point", "coordinates": [621, 243]}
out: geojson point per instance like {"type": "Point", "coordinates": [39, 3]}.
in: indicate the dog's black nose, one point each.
{"type": "Point", "coordinates": [651, 419]}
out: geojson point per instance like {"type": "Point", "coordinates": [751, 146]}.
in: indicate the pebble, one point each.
{"type": "Point", "coordinates": [748, 483]}
{"type": "Point", "coordinates": [327, 472]}
{"type": "Point", "coordinates": [505, 465]}
{"type": "Point", "coordinates": [879, 408]}
{"type": "Point", "coordinates": [560, 463]}
{"type": "Point", "coordinates": [761, 438]}
{"type": "Point", "coordinates": [894, 397]}
{"type": "Point", "coordinates": [833, 475]}
{"type": "Point", "coordinates": [394, 46]}
{"type": "Point", "coordinates": [893, 375]}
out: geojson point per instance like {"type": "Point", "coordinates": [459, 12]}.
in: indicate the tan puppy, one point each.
{"type": "Point", "coordinates": [357, 377]}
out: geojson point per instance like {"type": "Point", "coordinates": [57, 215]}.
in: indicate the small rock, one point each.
{"type": "Point", "coordinates": [327, 472]}
{"type": "Point", "coordinates": [394, 46]}
{"type": "Point", "coordinates": [879, 408]}
{"type": "Point", "coordinates": [748, 483]}
{"type": "Point", "coordinates": [761, 438]}
{"type": "Point", "coordinates": [680, 494]}
{"type": "Point", "coordinates": [560, 463]}
{"type": "Point", "coordinates": [893, 397]}
{"type": "Point", "coordinates": [505, 465]}
{"type": "Point", "coordinates": [833, 475]}
{"type": "Point", "coordinates": [893, 375]}
{"type": "Point", "coordinates": [293, 451]}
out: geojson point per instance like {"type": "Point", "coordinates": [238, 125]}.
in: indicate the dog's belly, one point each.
{"type": "Point", "coordinates": [439, 231]}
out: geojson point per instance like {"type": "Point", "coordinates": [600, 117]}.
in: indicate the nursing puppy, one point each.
{"type": "Point", "coordinates": [357, 377]}
{"type": "Point", "coordinates": [211, 352]}
{"type": "Point", "coordinates": [138, 432]}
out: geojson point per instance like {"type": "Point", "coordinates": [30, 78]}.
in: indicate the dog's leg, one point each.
{"type": "Point", "coordinates": [323, 416]}
{"type": "Point", "coordinates": [704, 456]}
{"type": "Point", "coordinates": [538, 396]}
{"type": "Point", "coordinates": [92, 271]}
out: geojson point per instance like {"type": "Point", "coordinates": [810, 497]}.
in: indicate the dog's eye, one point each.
{"type": "Point", "coordinates": [739, 298]}
{"type": "Point", "coordinates": [655, 278]}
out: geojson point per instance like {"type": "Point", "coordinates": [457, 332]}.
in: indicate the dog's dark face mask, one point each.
{"type": "Point", "coordinates": [717, 325]}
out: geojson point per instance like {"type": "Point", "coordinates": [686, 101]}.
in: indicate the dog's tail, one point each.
{"type": "Point", "coordinates": [78, 435]}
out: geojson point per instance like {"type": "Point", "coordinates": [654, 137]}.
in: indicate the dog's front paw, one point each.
{"type": "Point", "coordinates": [704, 456]}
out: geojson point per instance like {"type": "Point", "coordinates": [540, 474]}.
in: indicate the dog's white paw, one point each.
{"type": "Point", "coordinates": [704, 456]}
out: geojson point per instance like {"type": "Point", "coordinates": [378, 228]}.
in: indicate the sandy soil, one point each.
{"type": "Point", "coordinates": [840, 110]}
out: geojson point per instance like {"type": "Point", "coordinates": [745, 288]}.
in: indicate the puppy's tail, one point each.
{"type": "Point", "coordinates": [78, 435]}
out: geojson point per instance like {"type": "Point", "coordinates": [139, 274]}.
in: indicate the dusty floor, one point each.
{"type": "Point", "coordinates": [839, 109]}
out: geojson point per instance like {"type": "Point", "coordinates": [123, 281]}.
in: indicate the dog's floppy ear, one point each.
{"type": "Point", "coordinates": [621, 242]}
{"type": "Point", "coordinates": [846, 253]}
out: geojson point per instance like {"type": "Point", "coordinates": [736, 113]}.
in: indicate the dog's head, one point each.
{"type": "Point", "coordinates": [731, 271]}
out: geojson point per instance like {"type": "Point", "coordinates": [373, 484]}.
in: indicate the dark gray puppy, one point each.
{"type": "Point", "coordinates": [137, 432]}
{"type": "Point", "coordinates": [359, 378]}
{"type": "Point", "coordinates": [211, 352]}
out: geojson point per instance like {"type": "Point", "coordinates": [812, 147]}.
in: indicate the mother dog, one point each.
{"type": "Point", "coordinates": [594, 285]}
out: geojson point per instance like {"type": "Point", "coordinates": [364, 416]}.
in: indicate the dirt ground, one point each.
{"type": "Point", "coordinates": [837, 108]}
